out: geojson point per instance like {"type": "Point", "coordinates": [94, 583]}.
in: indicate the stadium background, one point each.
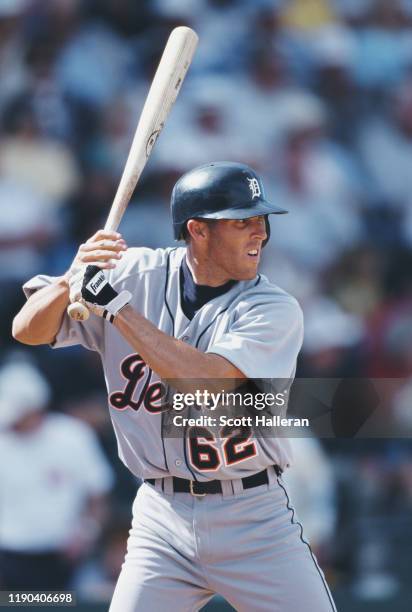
{"type": "Point", "coordinates": [317, 96]}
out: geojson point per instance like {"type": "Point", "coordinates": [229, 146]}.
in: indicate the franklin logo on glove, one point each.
{"type": "Point", "coordinates": [94, 286]}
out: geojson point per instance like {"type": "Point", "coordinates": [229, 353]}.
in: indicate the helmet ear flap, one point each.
{"type": "Point", "coordinates": [182, 232]}
{"type": "Point", "coordinates": [264, 243]}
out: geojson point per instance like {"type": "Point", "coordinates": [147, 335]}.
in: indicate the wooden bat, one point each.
{"type": "Point", "coordinates": [174, 63]}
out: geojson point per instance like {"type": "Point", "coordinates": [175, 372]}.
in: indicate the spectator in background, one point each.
{"type": "Point", "coordinates": [14, 75]}
{"type": "Point", "coordinates": [355, 280]}
{"type": "Point", "coordinates": [54, 116]}
{"type": "Point", "coordinates": [37, 175]}
{"type": "Point", "coordinates": [206, 126]}
{"type": "Point", "coordinates": [314, 498]}
{"type": "Point", "coordinates": [27, 227]}
{"type": "Point", "coordinates": [383, 49]}
{"type": "Point", "coordinates": [305, 15]}
{"type": "Point", "coordinates": [332, 340]}
{"type": "Point", "coordinates": [332, 51]}
{"type": "Point", "coordinates": [53, 483]}
{"type": "Point", "coordinates": [96, 579]}
{"type": "Point", "coordinates": [25, 230]}
{"type": "Point", "coordinates": [385, 147]}
{"type": "Point", "coordinates": [266, 83]}
{"type": "Point", "coordinates": [316, 182]}
{"type": "Point", "coordinates": [44, 165]}
{"type": "Point", "coordinates": [95, 62]}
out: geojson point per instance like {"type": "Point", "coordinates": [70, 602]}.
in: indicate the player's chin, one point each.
{"type": "Point", "coordinates": [249, 273]}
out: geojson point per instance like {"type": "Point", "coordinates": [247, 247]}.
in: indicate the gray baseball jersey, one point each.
{"type": "Point", "coordinates": [255, 325]}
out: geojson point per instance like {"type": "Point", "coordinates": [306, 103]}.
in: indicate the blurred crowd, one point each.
{"type": "Point", "coordinates": [316, 95]}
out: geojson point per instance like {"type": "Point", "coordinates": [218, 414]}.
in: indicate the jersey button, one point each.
{"type": "Point", "coordinates": [178, 462]}
{"type": "Point", "coordinates": [185, 338]}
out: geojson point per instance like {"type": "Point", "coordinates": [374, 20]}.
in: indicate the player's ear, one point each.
{"type": "Point", "coordinates": [196, 229]}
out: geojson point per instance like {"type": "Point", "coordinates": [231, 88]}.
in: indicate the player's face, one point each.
{"type": "Point", "coordinates": [235, 247]}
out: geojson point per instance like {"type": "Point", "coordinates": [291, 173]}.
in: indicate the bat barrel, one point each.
{"type": "Point", "coordinates": [174, 63]}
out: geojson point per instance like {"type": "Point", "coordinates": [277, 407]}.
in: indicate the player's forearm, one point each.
{"type": "Point", "coordinates": [40, 318]}
{"type": "Point", "coordinates": [169, 357]}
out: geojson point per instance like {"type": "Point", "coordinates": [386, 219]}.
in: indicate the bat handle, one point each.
{"type": "Point", "coordinates": [78, 311]}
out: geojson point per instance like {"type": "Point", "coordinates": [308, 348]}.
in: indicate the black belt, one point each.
{"type": "Point", "coordinates": [181, 485]}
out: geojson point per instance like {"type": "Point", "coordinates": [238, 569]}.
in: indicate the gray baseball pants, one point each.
{"type": "Point", "coordinates": [245, 545]}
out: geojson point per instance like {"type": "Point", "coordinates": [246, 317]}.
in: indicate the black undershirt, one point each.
{"type": "Point", "coordinates": [194, 296]}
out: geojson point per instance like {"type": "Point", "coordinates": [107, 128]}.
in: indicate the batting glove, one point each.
{"type": "Point", "coordinates": [91, 287]}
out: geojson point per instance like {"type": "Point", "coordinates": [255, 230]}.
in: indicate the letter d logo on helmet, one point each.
{"type": "Point", "coordinates": [254, 187]}
{"type": "Point", "coordinates": [220, 190]}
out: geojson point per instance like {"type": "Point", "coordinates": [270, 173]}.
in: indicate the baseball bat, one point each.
{"type": "Point", "coordinates": [174, 63]}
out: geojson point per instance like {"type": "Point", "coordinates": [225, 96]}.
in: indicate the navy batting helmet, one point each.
{"type": "Point", "coordinates": [220, 190]}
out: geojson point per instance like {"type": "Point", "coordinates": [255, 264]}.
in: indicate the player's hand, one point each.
{"type": "Point", "coordinates": [103, 250]}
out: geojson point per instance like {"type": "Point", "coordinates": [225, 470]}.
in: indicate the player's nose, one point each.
{"type": "Point", "coordinates": [258, 228]}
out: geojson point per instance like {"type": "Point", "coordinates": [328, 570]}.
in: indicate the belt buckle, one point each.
{"type": "Point", "coordinates": [192, 492]}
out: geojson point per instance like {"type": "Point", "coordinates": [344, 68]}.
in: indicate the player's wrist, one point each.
{"type": "Point", "coordinates": [122, 315]}
{"type": "Point", "coordinates": [113, 308]}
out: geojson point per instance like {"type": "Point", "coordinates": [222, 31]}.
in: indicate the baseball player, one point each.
{"type": "Point", "coordinates": [213, 514]}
